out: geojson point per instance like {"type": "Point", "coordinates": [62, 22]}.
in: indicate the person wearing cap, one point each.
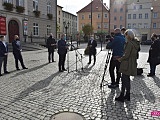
{"type": "Point", "coordinates": [117, 46]}
{"type": "Point", "coordinates": [51, 45]}
{"type": "Point", "coordinates": [3, 55]}
{"type": "Point", "coordinates": [17, 52]}
{"type": "Point", "coordinates": [92, 44]}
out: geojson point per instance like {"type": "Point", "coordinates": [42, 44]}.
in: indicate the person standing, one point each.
{"type": "Point", "coordinates": [51, 45]}
{"type": "Point", "coordinates": [153, 53]}
{"type": "Point", "coordinates": [3, 55]}
{"type": "Point", "coordinates": [117, 45]}
{"type": "Point", "coordinates": [17, 52]}
{"type": "Point", "coordinates": [128, 66]}
{"type": "Point", "coordinates": [92, 44]}
{"type": "Point", "coordinates": [62, 51]}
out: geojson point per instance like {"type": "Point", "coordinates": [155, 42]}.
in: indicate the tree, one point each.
{"type": "Point", "coordinates": [87, 30]}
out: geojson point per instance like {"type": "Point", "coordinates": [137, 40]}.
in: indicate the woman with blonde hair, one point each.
{"type": "Point", "coordinates": [128, 65]}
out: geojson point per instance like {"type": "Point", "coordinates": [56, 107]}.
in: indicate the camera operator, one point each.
{"type": "Point", "coordinates": [117, 45]}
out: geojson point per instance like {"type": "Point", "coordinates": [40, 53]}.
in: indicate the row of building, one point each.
{"type": "Point", "coordinates": [33, 20]}
{"type": "Point", "coordinates": [143, 16]}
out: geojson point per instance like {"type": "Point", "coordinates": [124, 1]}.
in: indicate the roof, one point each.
{"type": "Point", "coordinates": [96, 7]}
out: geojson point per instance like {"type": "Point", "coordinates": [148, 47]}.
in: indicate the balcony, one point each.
{"type": "Point", "coordinates": [8, 6]}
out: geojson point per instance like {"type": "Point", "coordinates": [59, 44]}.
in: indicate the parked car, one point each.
{"type": "Point", "coordinates": [146, 42]}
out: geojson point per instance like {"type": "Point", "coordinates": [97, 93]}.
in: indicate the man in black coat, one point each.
{"type": "Point", "coordinates": [153, 53]}
{"type": "Point", "coordinates": [51, 45]}
{"type": "Point", "coordinates": [92, 44]}
{"type": "Point", "coordinates": [62, 51]}
{"type": "Point", "coordinates": [3, 55]}
{"type": "Point", "coordinates": [17, 52]}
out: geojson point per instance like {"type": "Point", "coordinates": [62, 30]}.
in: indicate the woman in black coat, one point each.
{"type": "Point", "coordinates": [153, 53]}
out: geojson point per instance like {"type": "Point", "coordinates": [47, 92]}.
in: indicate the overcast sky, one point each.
{"type": "Point", "coordinates": [73, 6]}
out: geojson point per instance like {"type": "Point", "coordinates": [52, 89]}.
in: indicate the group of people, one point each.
{"type": "Point", "coordinates": [16, 52]}
{"type": "Point", "coordinates": [125, 47]}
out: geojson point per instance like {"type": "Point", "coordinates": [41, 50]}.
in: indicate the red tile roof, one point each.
{"type": "Point", "coordinates": [96, 7]}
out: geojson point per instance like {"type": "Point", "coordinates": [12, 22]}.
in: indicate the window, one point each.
{"type": "Point", "coordinates": [145, 25]}
{"type": "Point", "coordinates": [129, 16]}
{"type": "Point", "coordinates": [59, 20]}
{"type": "Point", "coordinates": [140, 16]}
{"type": "Point", "coordinates": [129, 26]}
{"type": "Point", "coordinates": [8, 1]}
{"type": "Point", "coordinates": [139, 25]}
{"type": "Point", "coordinates": [99, 16]}
{"type": "Point", "coordinates": [121, 26]}
{"type": "Point", "coordinates": [48, 29]}
{"type": "Point", "coordinates": [20, 3]}
{"type": "Point", "coordinates": [115, 10]}
{"type": "Point", "coordinates": [146, 15]}
{"type": "Point", "coordinates": [134, 25]}
{"type": "Point", "coordinates": [134, 16]}
{"type": "Point", "coordinates": [115, 18]}
{"type": "Point", "coordinates": [59, 12]}
{"type": "Point", "coordinates": [105, 25]}
{"type": "Point", "coordinates": [105, 15]}
{"type": "Point", "coordinates": [134, 7]}
{"type": "Point", "coordinates": [89, 16]}
{"type": "Point", "coordinates": [99, 26]}
{"type": "Point", "coordinates": [155, 15]}
{"type": "Point", "coordinates": [49, 8]}
{"type": "Point", "coordinates": [82, 17]}
{"type": "Point", "coordinates": [121, 10]}
{"type": "Point", "coordinates": [35, 29]}
{"type": "Point", "coordinates": [35, 5]}
{"type": "Point", "coordinates": [121, 18]}
{"type": "Point", "coordinates": [154, 25]}
{"type": "Point", "coordinates": [115, 26]}
{"type": "Point", "coordinates": [140, 7]}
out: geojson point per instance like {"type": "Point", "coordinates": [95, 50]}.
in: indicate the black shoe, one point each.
{"type": "Point", "coordinates": [89, 63]}
{"type": "Point", "coordinates": [150, 75]}
{"type": "Point", "coordinates": [0, 74]}
{"type": "Point", "coordinates": [25, 68]}
{"type": "Point", "coordinates": [64, 70]}
{"type": "Point", "coordinates": [112, 86]}
{"type": "Point", "coordinates": [18, 69]}
{"type": "Point", "coordinates": [6, 72]}
{"type": "Point", "coordinates": [120, 99]}
{"type": "Point", "coordinates": [94, 63]}
{"type": "Point", "coordinates": [53, 61]}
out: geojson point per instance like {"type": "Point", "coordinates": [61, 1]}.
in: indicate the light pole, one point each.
{"type": "Point", "coordinates": [102, 25]}
{"type": "Point", "coordinates": [66, 26]}
{"type": "Point", "coordinates": [151, 21]}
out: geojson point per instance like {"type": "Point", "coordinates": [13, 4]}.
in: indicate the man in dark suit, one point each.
{"type": "Point", "coordinates": [3, 55]}
{"type": "Point", "coordinates": [92, 44]}
{"type": "Point", "coordinates": [17, 52]}
{"type": "Point", "coordinates": [51, 45]}
{"type": "Point", "coordinates": [62, 51]}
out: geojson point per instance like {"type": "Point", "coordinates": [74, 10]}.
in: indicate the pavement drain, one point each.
{"type": "Point", "coordinates": [67, 116]}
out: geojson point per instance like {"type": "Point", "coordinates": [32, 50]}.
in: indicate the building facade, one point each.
{"type": "Point", "coordinates": [29, 19]}
{"type": "Point", "coordinates": [117, 14]}
{"type": "Point", "coordinates": [59, 21]}
{"type": "Point", "coordinates": [96, 14]}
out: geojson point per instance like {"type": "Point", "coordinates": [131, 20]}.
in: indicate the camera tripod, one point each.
{"type": "Point", "coordinates": [105, 68]}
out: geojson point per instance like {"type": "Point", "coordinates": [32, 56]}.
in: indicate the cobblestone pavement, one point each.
{"type": "Point", "coordinates": [41, 91]}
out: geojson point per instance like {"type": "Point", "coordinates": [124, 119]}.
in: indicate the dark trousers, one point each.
{"type": "Point", "coordinates": [94, 56]}
{"type": "Point", "coordinates": [152, 69]}
{"type": "Point", "coordinates": [50, 55]}
{"type": "Point", "coordinates": [114, 64]}
{"type": "Point", "coordinates": [125, 85]}
{"type": "Point", "coordinates": [62, 58]}
{"type": "Point", "coordinates": [4, 61]}
{"type": "Point", "coordinates": [17, 57]}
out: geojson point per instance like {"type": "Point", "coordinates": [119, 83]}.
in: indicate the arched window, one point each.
{"type": "Point", "coordinates": [49, 8]}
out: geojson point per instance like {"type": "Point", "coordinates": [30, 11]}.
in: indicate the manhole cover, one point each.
{"type": "Point", "coordinates": [67, 116]}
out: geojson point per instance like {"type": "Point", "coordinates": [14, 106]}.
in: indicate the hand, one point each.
{"type": "Point", "coordinates": [5, 53]}
{"type": "Point", "coordinates": [119, 59]}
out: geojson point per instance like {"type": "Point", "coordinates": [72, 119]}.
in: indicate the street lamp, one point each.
{"type": "Point", "coordinates": [66, 26]}
{"type": "Point", "coordinates": [151, 21]}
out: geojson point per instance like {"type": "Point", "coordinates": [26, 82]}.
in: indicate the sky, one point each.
{"type": "Point", "coordinates": [73, 6]}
